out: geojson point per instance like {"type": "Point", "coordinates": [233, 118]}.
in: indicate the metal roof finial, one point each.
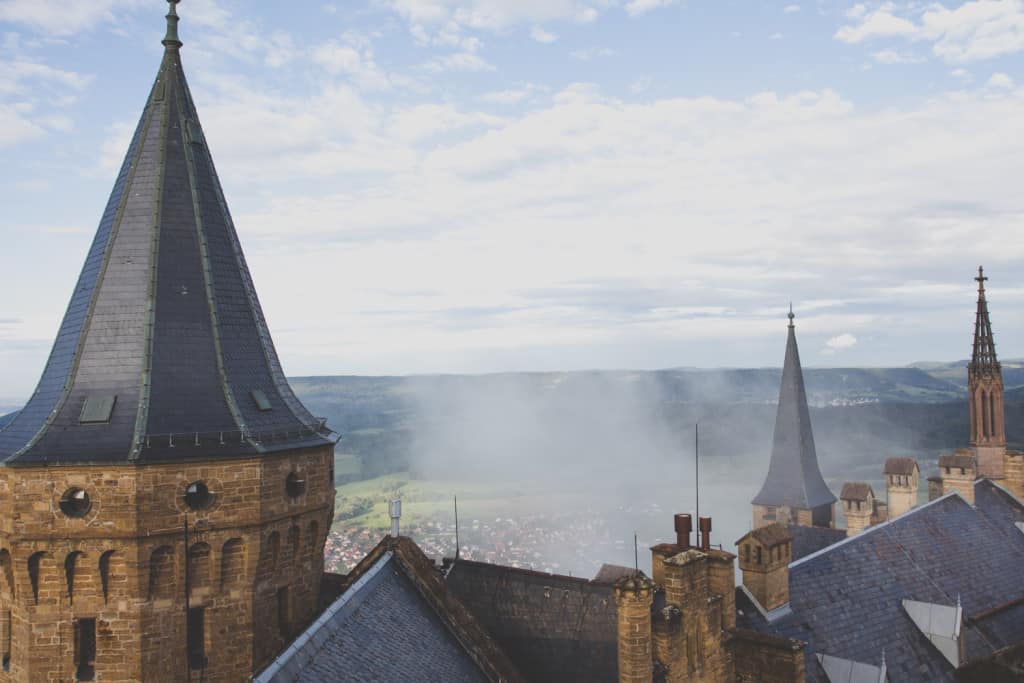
{"type": "Point", "coordinates": [171, 39]}
{"type": "Point", "coordinates": [791, 315]}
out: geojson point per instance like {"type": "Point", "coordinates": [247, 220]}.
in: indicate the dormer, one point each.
{"type": "Point", "coordinates": [764, 556]}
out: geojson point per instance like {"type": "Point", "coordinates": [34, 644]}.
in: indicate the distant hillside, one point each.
{"type": "Point", "coordinates": [861, 416]}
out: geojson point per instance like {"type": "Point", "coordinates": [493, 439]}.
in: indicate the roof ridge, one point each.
{"type": "Point", "coordinates": [875, 528]}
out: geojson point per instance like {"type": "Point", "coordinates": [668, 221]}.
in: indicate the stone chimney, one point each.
{"type": "Point", "coordinates": [958, 472]}
{"type": "Point", "coordinates": [858, 506]}
{"type": "Point", "coordinates": [765, 554]}
{"type": "Point", "coordinates": [934, 488]}
{"type": "Point", "coordinates": [634, 596]}
{"type": "Point", "coordinates": [1013, 467]}
{"type": "Point", "coordinates": [901, 483]}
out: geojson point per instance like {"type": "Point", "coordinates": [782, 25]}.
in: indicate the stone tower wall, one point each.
{"type": "Point", "coordinates": [123, 564]}
{"type": "Point", "coordinates": [857, 520]}
{"type": "Point", "coordinates": [1014, 472]}
{"type": "Point", "coordinates": [901, 498]}
{"type": "Point", "coordinates": [634, 598]}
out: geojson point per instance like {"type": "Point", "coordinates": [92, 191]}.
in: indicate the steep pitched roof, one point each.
{"type": "Point", "coordinates": [394, 621]}
{"type": "Point", "coordinates": [856, 490]}
{"type": "Point", "coordinates": [794, 478]}
{"type": "Point", "coordinates": [164, 353]}
{"type": "Point", "coordinates": [847, 599]}
{"type": "Point", "coordinates": [771, 535]}
{"type": "Point", "coordinates": [555, 628]}
{"type": "Point", "coordinates": [900, 466]}
{"type": "Point", "coordinates": [983, 356]}
{"type": "Point", "coordinates": [811, 539]}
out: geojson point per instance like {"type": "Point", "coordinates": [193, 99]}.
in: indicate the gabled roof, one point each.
{"type": "Point", "coordinates": [770, 535]}
{"type": "Point", "coordinates": [394, 621]}
{"type": "Point", "coordinates": [957, 460]}
{"type": "Point", "coordinates": [900, 466]}
{"type": "Point", "coordinates": [610, 573]}
{"type": "Point", "coordinates": [847, 599]}
{"type": "Point", "coordinates": [856, 490]}
{"type": "Point", "coordinates": [555, 628]}
{"type": "Point", "coordinates": [794, 478]}
{"type": "Point", "coordinates": [811, 539]}
{"type": "Point", "coordinates": [163, 353]}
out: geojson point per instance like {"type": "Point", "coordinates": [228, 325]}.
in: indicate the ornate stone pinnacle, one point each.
{"type": "Point", "coordinates": [171, 39]}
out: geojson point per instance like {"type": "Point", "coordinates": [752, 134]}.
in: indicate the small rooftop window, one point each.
{"type": "Point", "coordinates": [262, 402]}
{"type": "Point", "coordinates": [198, 496]}
{"type": "Point", "coordinates": [941, 624]}
{"type": "Point", "coordinates": [97, 409]}
{"type": "Point", "coordinates": [75, 502]}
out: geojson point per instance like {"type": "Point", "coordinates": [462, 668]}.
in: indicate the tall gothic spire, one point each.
{"type": "Point", "coordinates": [164, 353]}
{"type": "Point", "coordinates": [983, 359]}
{"type": "Point", "coordinates": [794, 479]}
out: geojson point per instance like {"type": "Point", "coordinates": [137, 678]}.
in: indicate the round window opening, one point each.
{"type": "Point", "coordinates": [295, 485]}
{"type": "Point", "coordinates": [75, 503]}
{"type": "Point", "coordinates": [198, 496]}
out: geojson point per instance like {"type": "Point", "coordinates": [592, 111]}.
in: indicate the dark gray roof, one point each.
{"type": "Point", "coordinates": [957, 460]}
{"type": "Point", "coordinates": [856, 490]}
{"type": "Point", "coordinates": [381, 629]}
{"type": "Point", "coordinates": [610, 573]}
{"type": "Point", "coordinates": [846, 599]}
{"type": "Point", "coordinates": [793, 477]}
{"type": "Point", "coordinates": [811, 539]}
{"type": "Point", "coordinates": [164, 320]}
{"type": "Point", "coordinates": [554, 628]}
{"type": "Point", "coordinates": [900, 466]}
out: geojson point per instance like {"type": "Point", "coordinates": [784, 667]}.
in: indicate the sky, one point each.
{"type": "Point", "coordinates": [428, 186]}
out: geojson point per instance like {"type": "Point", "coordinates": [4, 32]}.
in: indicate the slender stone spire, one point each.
{"type": "Point", "coordinates": [983, 359]}
{"type": "Point", "coordinates": [985, 392]}
{"type": "Point", "coordinates": [164, 353]}
{"type": "Point", "coordinates": [794, 479]}
{"type": "Point", "coordinates": [171, 40]}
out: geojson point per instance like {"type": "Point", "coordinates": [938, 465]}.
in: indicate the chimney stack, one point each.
{"type": "Point", "coordinates": [684, 525]}
{"type": "Point", "coordinates": [705, 533]}
{"type": "Point", "coordinates": [395, 508]}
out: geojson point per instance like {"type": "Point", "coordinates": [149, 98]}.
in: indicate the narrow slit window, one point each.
{"type": "Point", "coordinates": [197, 637]}
{"type": "Point", "coordinates": [283, 612]}
{"type": "Point", "coordinates": [85, 649]}
{"type": "Point", "coordinates": [5, 638]}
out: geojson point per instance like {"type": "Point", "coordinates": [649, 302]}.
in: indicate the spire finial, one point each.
{"type": "Point", "coordinates": [791, 315]}
{"type": "Point", "coordinates": [171, 39]}
{"type": "Point", "coordinates": [981, 279]}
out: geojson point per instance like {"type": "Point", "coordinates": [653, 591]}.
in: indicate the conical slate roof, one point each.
{"type": "Point", "coordinates": [794, 479]}
{"type": "Point", "coordinates": [983, 359]}
{"type": "Point", "coordinates": [163, 353]}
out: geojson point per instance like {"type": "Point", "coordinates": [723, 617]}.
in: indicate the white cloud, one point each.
{"type": "Point", "coordinates": [505, 96]}
{"type": "Point", "coordinates": [459, 61]}
{"type": "Point", "coordinates": [976, 30]}
{"type": "Point", "coordinates": [637, 7]}
{"type": "Point", "coordinates": [896, 57]}
{"type": "Point", "coordinates": [1000, 80]}
{"type": "Point", "coordinates": [791, 9]}
{"type": "Point", "coordinates": [840, 343]}
{"type": "Point", "coordinates": [587, 54]}
{"type": "Point", "coordinates": [542, 36]}
{"type": "Point", "coordinates": [60, 17]}
{"type": "Point", "coordinates": [492, 14]}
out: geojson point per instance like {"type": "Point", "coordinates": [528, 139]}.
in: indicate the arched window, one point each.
{"type": "Point", "coordinates": [35, 569]}
{"type": "Point", "coordinates": [232, 563]}
{"type": "Point", "coordinates": [108, 559]}
{"type": "Point", "coordinates": [294, 543]}
{"type": "Point", "coordinates": [6, 575]}
{"type": "Point", "coordinates": [270, 556]}
{"type": "Point", "coordinates": [984, 415]}
{"type": "Point", "coordinates": [199, 573]}
{"type": "Point", "coordinates": [72, 567]}
{"type": "Point", "coordinates": [161, 573]}
{"type": "Point", "coordinates": [992, 414]}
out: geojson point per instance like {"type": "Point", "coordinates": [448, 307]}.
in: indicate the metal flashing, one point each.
{"type": "Point", "coordinates": [97, 409]}
{"type": "Point", "coordinates": [941, 624]}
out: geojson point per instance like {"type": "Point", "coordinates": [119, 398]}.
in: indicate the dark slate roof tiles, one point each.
{"type": "Point", "coordinates": [900, 466]}
{"type": "Point", "coordinates": [856, 490]}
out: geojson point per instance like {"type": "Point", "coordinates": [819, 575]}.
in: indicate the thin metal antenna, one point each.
{"type": "Point", "coordinates": [457, 545]}
{"type": "Point", "coordinates": [636, 553]}
{"type": "Point", "coordinates": [696, 465]}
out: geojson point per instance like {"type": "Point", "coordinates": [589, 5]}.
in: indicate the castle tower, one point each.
{"type": "Point", "coordinates": [164, 497]}
{"type": "Point", "coordinates": [633, 598]}
{"type": "Point", "coordinates": [765, 554]}
{"type": "Point", "coordinates": [985, 393]}
{"type": "Point", "coordinates": [858, 500]}
{"type": "Point", "coordinates": [794, 490]}
{"type": "Point", "coordinates": [902, 479]}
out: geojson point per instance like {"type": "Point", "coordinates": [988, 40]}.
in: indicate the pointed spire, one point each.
{"type": "Point", "coordinates": [794, 479]}
{"type": "Point", "coordinates": [171, 40]}
{"type": "Point", "coordinates": [983, 358]}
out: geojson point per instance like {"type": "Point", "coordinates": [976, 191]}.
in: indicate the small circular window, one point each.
{"type": "Point", "coordinates": [198, 496]}
{"type": "Point", "coordinates": [295, 485]}
{"type": "Point", "coordinates": [75, 502]}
